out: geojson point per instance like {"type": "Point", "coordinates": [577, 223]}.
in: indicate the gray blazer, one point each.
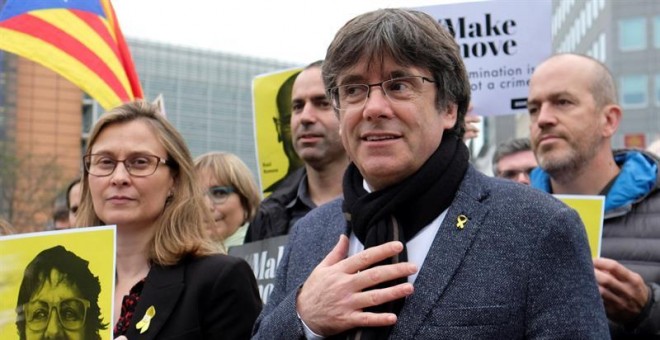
{"type": "Point", "coordinates": [519, 269]}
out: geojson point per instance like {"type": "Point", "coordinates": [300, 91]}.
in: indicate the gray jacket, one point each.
{"type": "Point", "coordinates": [631, 235]}
{"type": "Point", "coordinates": [519, 269]}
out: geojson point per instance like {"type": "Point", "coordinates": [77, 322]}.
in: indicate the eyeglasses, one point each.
{"type": "Point", "coordinates": [138, 166]}
{"type": "Point", "coordinates": [219, 194]}
{"type": "Point", "coordinates": [514, 173]}
{"type": "Point", "coordinates": [70, 312]}
{"type": "Point", "coordinates": [354, 96]}
{"type": "Point", "coordinates": [283, 127]}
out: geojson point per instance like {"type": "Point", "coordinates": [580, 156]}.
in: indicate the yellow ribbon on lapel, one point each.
{"type": "Point", "coordinates": [143, 325]}
{"type": "Point", "coordinates": [461, 221]}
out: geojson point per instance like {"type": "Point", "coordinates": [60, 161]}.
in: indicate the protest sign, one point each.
{"type": "Point", "coordinates": [591, 210]}
{"type": "Point", "coordinates": [501, 43]}
{"type": "Point", "coordinates": [264, 257]}
{"type": "Point", "coordinates": [271, 94]}
{"type": "Point", "coordinates": [81, 286]}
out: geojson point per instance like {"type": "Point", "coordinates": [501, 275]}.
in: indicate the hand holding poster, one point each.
{"type": "Point", "coordinates": [501, 42]}
{"type": "Point", "coordinates": [69, 271]}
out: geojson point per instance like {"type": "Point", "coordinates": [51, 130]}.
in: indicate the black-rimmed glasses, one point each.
{"type": "Point", "coordinates": [219, 194]}
{"type": "Point", "coordinates": [354, 96]}
{"type": "Point", "coordinates": [139, 165]}
{"type": "Point", "coordinates": [70, 312]}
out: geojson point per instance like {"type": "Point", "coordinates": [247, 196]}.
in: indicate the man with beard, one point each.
{"type": "Point", "coordinates": [574, 114]}
{"type": "Point", "coordinates": [315, 138]}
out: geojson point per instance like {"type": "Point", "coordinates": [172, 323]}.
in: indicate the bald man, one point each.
{"type": "Point", "coordinates": [574, 114]}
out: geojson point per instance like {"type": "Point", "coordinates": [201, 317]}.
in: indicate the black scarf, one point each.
{"type": "Point", "coordinates": [400, 211]}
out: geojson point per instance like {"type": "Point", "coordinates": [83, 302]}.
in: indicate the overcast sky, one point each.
{"type": "Point", "coordinates": [288, 30]}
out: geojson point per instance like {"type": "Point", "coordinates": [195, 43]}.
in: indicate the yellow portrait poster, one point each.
{"type": "Point", "coordinates": [271, 95]}
{"type": "Point", "coordinates": [591, 210]}
{"type": "Point", "coordinates": [64, 274]}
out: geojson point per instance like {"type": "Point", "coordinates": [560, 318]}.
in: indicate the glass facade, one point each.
{"type": "Point", "coordinates": [207, 94]}
{"type": "Point", "coordinates": [656, 32]}
{"type": "Point", "coordinates": [634, 91]}
{"type": "Point", "coordinates": [632, 34]}
{"type": "Point", "coordinates": [625, 35]}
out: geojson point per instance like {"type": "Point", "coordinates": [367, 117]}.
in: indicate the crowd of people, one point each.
{"type": "Point", "coordinates": [392, 232]}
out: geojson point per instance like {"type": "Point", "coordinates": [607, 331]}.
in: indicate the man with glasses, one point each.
{"type": "Point", "coordinates": [514, 160]}
{"type": "Point", "coordinates": [423, 246]}
{"type": "Point", "coordinates": [58, 298]}
{"type": "Point", "coordinates": [314, 133]}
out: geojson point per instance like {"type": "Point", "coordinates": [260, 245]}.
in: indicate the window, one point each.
{"type": "Point", "coordinates": [602, 55]}
{"type": "Point", "coordinates": [656, 32]}
{"type": "Point", "coordinates": [634, 91]}
{"type": "Point", "coordinates": [632, 34]}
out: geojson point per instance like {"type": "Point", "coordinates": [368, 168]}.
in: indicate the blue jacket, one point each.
{"type": "Point", "coordinates": [519, 269]}
{"type": "Point", "coordinates": [631, 230]}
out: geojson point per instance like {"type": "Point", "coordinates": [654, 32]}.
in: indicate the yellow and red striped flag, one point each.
{"type": "Point", "coordinates": [79, 39]}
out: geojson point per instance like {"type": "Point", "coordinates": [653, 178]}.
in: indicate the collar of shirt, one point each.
{"type": "Point", "coordinates": [418, 247]}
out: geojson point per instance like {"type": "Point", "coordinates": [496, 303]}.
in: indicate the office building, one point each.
{"type": "Point", "coordinates": [45, 120]}
{"type": "Point", "coordinates": [625, 36]}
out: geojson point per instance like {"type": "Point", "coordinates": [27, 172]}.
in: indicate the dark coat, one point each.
{"type": "Point", "coordinates": [519, 269]}
{"type": "Point", "coordinates": [212, 297]}
{"type": "Point", "coordinates": [631, 235]}
{"type": "Point", "coordinates": [272, 218]}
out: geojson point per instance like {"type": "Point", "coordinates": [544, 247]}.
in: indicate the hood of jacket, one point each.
{"type": "Point", "coordinates": [637, 179]}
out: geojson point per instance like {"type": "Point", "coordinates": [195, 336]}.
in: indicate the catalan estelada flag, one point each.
{"type": "Point", "coordinates": [79, 39]}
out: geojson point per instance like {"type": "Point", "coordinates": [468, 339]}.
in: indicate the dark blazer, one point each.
{"type": "Point", "coordinates": [212, 297]}
{"type": "Point", "coordinates": [519, 269]}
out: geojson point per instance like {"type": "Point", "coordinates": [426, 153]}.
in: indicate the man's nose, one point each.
{"type": "Point", "coordinates": [308, 114]}
{"type": "Point", "coordinates": [377, 104]}
{"type": "Point", "coordinates": [546, 116]}
{"type": "Point", "coordinates": [523, 177]}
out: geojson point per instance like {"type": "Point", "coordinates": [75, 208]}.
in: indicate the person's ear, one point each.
{"type": "Point", "coordinates": [450, 116]}
{"type": "Point", "coordinates": [611, 115]}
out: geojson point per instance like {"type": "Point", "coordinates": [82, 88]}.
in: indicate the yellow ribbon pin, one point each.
{"type": "Point", "coordinates": [460, 221]}
{"type": "Point", "coordinates": [143, 325]}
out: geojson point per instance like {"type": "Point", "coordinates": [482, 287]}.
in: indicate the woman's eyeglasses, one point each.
{"type": "Point", "coordinates": [138, 165]}
{"type": "Point", "coordinates": [70, 312]}
{"type": "Point", "coordinates": [219, 194]}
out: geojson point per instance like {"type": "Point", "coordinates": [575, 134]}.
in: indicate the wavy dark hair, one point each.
{"type": "Point", "coordinates": [412, 39]}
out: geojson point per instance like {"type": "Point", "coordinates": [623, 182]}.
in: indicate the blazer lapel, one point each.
{"type": "Point", "coordinates": [161, 290]}
{"type": "Point", "coordinates": [445, 256]}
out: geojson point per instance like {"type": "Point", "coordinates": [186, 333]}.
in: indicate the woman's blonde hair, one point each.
{"type": "Point", "coordinates": [229, 169]}
{"type": "Point", "coordinates": [180, 228]}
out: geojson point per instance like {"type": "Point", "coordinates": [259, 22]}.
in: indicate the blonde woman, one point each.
{"type": "Point", "coordinates": [231, 195]}
{"type": "Point", "coordinates": [138, 174]}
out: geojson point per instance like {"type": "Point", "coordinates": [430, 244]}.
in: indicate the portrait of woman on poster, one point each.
{"type": "Point", "coordinates": [59, 279]}
{"type": "Point", "coordinates": [170, 282]}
